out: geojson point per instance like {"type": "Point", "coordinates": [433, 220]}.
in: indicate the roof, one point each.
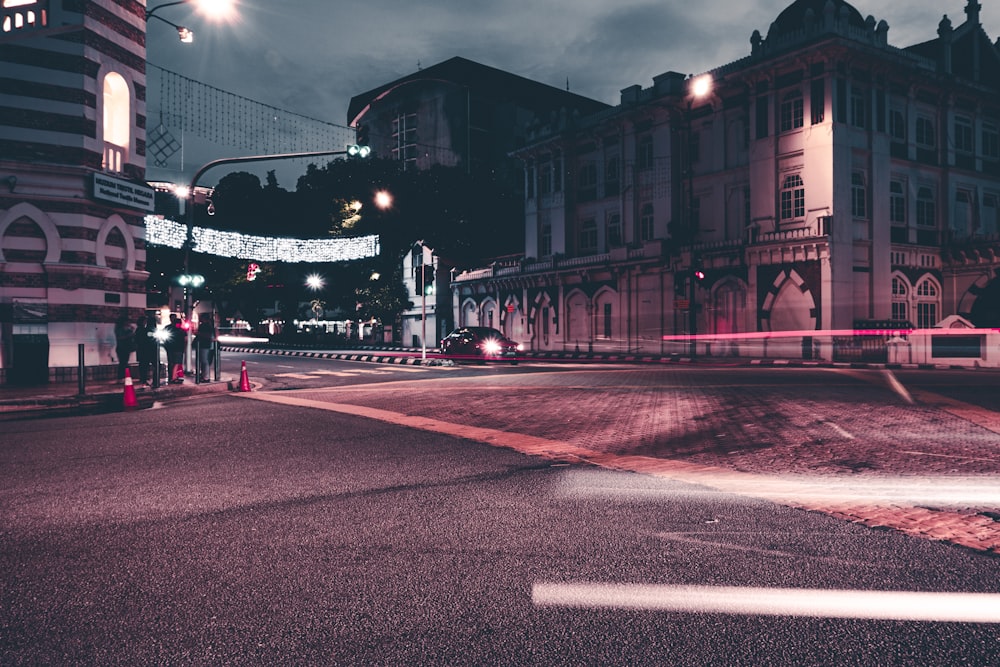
{"type": "Point", "coordinates": [793, 17]}
{"type": "Point", "coordinates": [486, 82]}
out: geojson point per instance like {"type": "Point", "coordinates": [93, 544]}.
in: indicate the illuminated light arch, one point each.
{"type": "Point", "coordinates": [160, 231]}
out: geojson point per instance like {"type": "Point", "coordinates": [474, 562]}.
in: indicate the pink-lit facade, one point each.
{"type": "Point", "coordinates": [827, 181]}
{"type": "Point", "coordinates": [72, 191]}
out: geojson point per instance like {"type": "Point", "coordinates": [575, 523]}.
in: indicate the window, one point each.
{"type": "Point", "coordinates": [897, 125]}
{"type": "Point", "coordinates": [859, 108]}
{"type": "Point", "coordinates": [545, 241]}
{"type": "Point", "coordinates": [791, 111]}
{"type": "Point", "coordinates": [859, 195]}
{"type": "Point", "coordinates": [117, 122]}
{"type": "Point", "coordinates": [793, 198]}
{"type": "Point", "coordinates": [644, 152]}
{"type": "Point", "coordinates": [962, 221]}
{"type": "Point", "coordinates": [588, 236]}
{"type": "Point", "coordinates": [991, 141]}
{"type": "Point", "coordinates": [963, 134]}
{"type": "Point", "coordinates": [607, 320]}
{"type": "Point", "coordinates": [900, 299]}
{"type": "Point", "coordinates": [926, 215]}
{"type": "Point", "coordinates": [817, 101]}
{"type": "Point", "coordinates": [927, 304]}
{"type": "Point", "coordinates": [404, 138]}
{"type": "Point", "coordinates": [529, 182]}
{"type": "Point", "coordinates": [897, 203]}
{"type": "Point", "coordinates": [925, 132]}
{"type": "Point", "coordinates": [614, 239]}
{"type": "Point", "coordinates": [587, 182]}
{"type": "Point", "coordinates": [612, 176]}
{"type": "Point", "coordinates": [990, 223]}
{"type": "Point", "coordinates": [545, 178]}
{"type": "Point", "coordinates": [646, 222]}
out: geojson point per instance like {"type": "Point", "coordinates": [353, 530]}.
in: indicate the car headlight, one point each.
{"type": "Point", "coordinates": [491, 347]}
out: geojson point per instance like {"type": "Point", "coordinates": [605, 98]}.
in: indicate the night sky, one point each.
{"type": "Point", "coordinates": [311, 59]}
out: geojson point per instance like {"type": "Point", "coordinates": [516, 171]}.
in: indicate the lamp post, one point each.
{"type": "Point", "coordinates": [698, 88]}
{"type": "Point", "coordinates": [353, 150]}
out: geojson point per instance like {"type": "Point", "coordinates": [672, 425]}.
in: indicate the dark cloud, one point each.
{"type": "Point", "coordinates": [311, 56]}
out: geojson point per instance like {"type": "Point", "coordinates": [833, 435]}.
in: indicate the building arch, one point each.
{"type": "Point", "coordinates": [729, 300]}
{"type": "Point", "coordinates": [578, 326]}
{"type": "Point", "coordinates": [789, 304]}
{"type": "Point", "coordinates": [489, 315]}
{"type": "Point", "coordinates": [111, 255]}
{"type": "Point", "coordinates": [607, 314]}
{"type": "Point", "coordinates": [981, 302]}
{"type": "Point", "coordinates": [469, 313]}
{"type": "Point", "coordinates": [24, 210]}
{"type": "Point", "coordinates": [927, 301]}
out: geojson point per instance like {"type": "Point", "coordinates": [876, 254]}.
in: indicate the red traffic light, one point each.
{"type": "Point", "coordinates": [699, 274]}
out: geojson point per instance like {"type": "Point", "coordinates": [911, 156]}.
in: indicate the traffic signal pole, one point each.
{"type": "Point", "coordinates": [361, 151]}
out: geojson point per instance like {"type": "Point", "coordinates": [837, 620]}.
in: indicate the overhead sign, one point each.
{"type": "Point", "coordinates": [122, 192]}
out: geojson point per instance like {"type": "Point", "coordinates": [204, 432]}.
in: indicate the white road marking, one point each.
{"type": "Point", "coordinates": [816, 603]}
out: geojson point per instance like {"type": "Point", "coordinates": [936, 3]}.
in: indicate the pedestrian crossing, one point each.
{"type": "Point", "coordinates": [360, 372]}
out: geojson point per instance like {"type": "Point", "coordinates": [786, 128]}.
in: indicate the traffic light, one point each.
{"type": "Point", "coordinates": [428, 279]}
{"type": "Point", "coordinates": [361, 148]}
{"type": "Point", "coordinates": [698, 271]}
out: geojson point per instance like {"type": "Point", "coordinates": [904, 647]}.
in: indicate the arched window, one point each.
{"type": "Point", "coordinates": [927, 303]}
{"type": "Point", "coordinates": [793, 198]}
{"type": "Point", "coordinates": [900, 299]}
{"type": "Point", "coordinates": [117, 122]}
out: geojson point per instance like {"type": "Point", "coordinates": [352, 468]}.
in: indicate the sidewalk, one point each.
{"type": "Point", "coordinates": [98, 396]}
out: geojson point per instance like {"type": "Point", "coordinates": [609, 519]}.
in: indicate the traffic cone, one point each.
{"type": "Point", "coordinates": [128, 401]}
{"type": "Point", "coordinates": [244, 380]}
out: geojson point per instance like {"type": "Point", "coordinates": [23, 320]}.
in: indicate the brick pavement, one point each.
{"type": "Point", "coordinates": [818, 447]}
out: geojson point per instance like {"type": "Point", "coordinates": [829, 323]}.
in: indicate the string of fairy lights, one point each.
{"type": "Point", "coordinates": [191, 108]}
{"type": "Point", "coordinates": [164, 232]}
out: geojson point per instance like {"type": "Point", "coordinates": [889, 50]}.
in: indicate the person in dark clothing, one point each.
{"type": "Point", "coordinates": [124, 344]}
{"type": "Point", "coordinates": [175, 344]}
{"type": "Point", "coordinates": [205, 341]}
{"type": "Point", "coordinates": [145, 348]}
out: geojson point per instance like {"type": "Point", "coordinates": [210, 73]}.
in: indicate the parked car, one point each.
{"type": "Point", "coordinates": [481, 344]}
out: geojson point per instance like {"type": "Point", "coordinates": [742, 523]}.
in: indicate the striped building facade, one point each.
{"type": "Point", "coordinates": [72, 190]}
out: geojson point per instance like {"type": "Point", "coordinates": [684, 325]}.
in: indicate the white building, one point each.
{"type": "Point", "coordinates": [72, 196]}
{"type": "Point", "coordinates": [825, 183]}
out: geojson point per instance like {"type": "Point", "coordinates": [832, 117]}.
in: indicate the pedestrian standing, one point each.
{"type": "Point", "coordinates": [205, 340]}
{"type": "Point", "coordinates": [145, 348]}
{"type": "Point", "coordinates": [124, 344]}
{"type": "Point", "coordinates": [175, 345]}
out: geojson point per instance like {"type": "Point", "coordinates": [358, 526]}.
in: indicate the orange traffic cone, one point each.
{"type": "Point", "coordinates": [128, 401]}
{"type": "Point", "coordinates": [244, 380]}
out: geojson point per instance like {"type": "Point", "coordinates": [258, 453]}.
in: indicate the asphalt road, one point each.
{"type": "Point", "coordinates": [229, 530]}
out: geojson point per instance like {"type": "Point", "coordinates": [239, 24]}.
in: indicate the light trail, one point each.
{"type": "Point", "coordinates": [816, 603]}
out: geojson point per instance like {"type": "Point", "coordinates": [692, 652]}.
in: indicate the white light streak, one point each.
{"type": "Point", "coordinates": [160, 231]}
{"type": "Point", "coordinates": [817, 603]}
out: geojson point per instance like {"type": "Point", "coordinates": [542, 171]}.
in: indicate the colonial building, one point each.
{"type": "Point", "coordinates": [462, 114]}
{"type": "Point", "coordinates": [826, 183]}
{"type": "Point", "coordinates": [72, 196]}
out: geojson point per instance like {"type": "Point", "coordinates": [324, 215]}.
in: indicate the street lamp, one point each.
{"type": "Point", "coordinates": [698, 88]}
{"type": "Point", "coordinates": [211, 8]}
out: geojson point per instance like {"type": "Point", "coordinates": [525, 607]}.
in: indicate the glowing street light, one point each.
{"type": "Point", "coordinates": [213, 9]}
{"type": "Point", "coordinates": [383, 199]}
{"type": "Point", "coordinates": [315, 282]}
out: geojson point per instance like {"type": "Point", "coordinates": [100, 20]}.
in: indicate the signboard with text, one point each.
{"type": "Point", "coordinates": [122, 192]}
